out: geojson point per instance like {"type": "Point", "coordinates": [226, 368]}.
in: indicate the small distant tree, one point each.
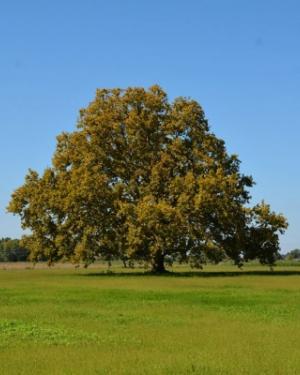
{"type": "Point", "coordinates": [12, 251]}
{"type": "Point", "coordinates": [144, 179]}
{"type": "Point", "coordinates": [293, 254]}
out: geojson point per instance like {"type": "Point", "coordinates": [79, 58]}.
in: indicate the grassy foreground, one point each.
{"type": "Point", "coordinates": [220, 321]}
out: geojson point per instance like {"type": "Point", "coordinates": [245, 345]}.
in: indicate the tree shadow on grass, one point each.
{"type": "Point", "coordinates": [204, 274]}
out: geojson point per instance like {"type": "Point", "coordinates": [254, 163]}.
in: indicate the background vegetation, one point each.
{"type": "Point", "coordinates": [11, 250]}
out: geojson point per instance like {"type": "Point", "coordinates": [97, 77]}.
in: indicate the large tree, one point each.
{"type": "Point", "coordinates": [142, 178]}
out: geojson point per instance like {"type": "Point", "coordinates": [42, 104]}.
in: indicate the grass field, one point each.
{"type": "Point", "coordinates": [217, 321]}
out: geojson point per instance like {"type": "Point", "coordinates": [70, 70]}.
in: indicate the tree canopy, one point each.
{"type": "Point", "coordinates": [142, 178]}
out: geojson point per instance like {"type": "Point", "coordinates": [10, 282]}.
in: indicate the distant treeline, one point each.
{"type": "Point", "coordinates": [292, 255]}
{"type": "Point", "coordinates": [12, 251]}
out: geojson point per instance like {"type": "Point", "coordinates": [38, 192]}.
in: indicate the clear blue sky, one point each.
{"type": "Point", "coordinates": [240, 59]}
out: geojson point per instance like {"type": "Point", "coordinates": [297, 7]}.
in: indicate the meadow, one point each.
{"type": "Point", "coordinates": [89, 321]}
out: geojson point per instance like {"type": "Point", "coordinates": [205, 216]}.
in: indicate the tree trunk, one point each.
{"type": "Point", "coordinates": [158, 265]}
{"type": "Point", "coordinates": [124, 263]}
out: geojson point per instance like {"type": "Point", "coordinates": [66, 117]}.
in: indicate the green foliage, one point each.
{"type": "Point", "coordinates": [293, 255]}
{"type": "Point", "coordinates": [12, 251]}
{"type": "Point", "coordinates": [144, 179]}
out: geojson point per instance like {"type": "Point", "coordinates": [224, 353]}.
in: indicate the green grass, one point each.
{"type": "Point", "coordinates": [218, 321]}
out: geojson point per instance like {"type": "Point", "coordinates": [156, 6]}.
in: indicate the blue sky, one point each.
{"type": "Point", "coordinates": [240, 59]}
